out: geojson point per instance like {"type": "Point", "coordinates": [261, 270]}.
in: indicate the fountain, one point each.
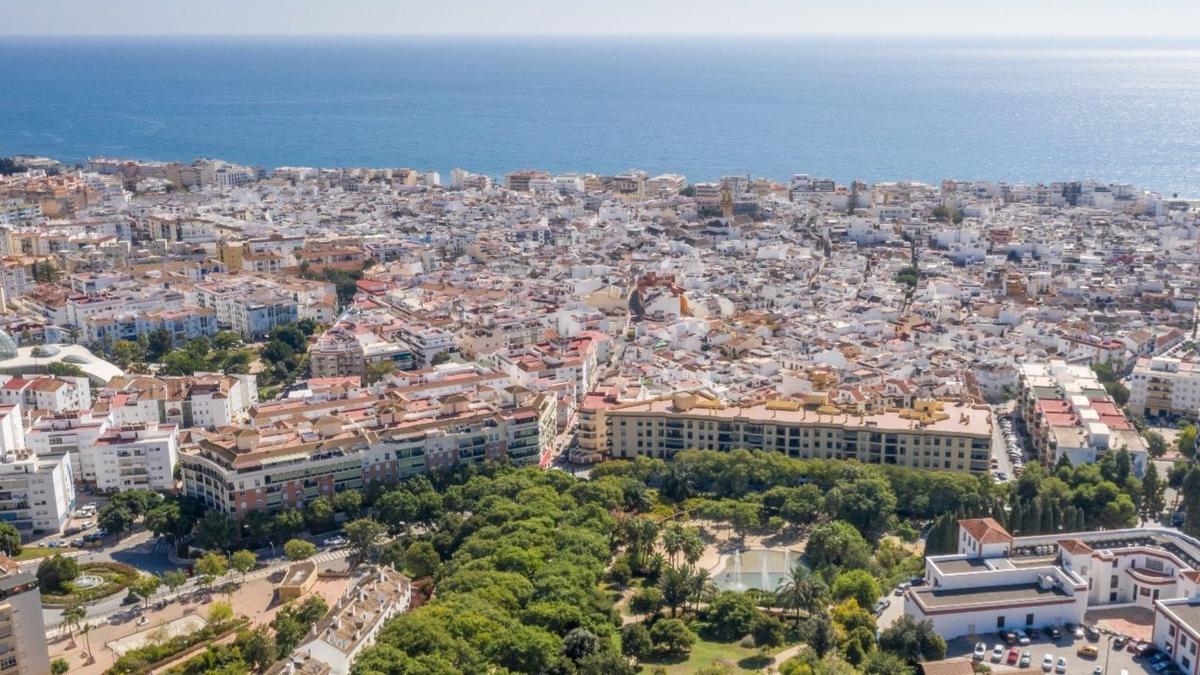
{"type": "Point", "coordinates": [761, 568]}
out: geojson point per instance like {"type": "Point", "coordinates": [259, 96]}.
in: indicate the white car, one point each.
{"type": "Point", "coordinates": [997, 653]}
{"type": "Point", "coordinates": [980, 651]}
{"type": "Point", "coordinates": [1047, 663]}
{"type": "Point", "coordinates": [1061, 665]}
{"type": "Point", "coordinates": [1022, 637]}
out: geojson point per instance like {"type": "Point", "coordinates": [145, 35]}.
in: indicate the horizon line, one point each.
{"type": "Point", "coordinates": [950, 37]}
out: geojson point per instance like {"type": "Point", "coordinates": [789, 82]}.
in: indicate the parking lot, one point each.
{"type": "Point", "coordinates": [1108, 660]}
{"type": "Point", "coordinates": [1008, 452]}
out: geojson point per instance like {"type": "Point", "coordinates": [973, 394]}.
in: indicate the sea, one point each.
{"type": "Point", "coordinates": [842, 108]}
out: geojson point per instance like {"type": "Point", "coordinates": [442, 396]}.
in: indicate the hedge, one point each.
{"type": "Point", "coordinates": [117, 576]}
{"type": "Point", "coordinates": [145, 659]}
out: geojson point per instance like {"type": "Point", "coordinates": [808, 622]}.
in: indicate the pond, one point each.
{"type": "Point", "coordinates": [763, 568]}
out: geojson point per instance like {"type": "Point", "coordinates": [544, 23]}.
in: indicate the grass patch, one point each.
{"type": "Point", "coordinates": [35, 552]}
{"type": "Point", "coordinates": [705, 652]}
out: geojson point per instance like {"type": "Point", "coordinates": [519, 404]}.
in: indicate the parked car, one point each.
{"type": "Point", "coordinates": [904, 586]}
{"type": "Point", "coordinates": [1053, 632]}
{"type": "Point", "coordinates": [1119, 641]}
{"type": "Point", "coordinates": [980, 651]}
{"type": "Point", "coordinates": [1032, 632]}
{"type": "Point", "coordinates": [1026, 659]}
{"type": "Point", "coordinates": [883, 604]}
{"type": "Point", "coordinates": [1088, 651]}
{"type": "Point", "coordinates": [1013, 655]}
{"type": "Point", "coordinates": [1047, 662]}
{"type": "Point", "coordinates": [1060, 666]}
{"type": "Point", "coordinates": [1022, 638]}
{"type": "Point", "coordinates": [1092, 632]}
{"type": "Point", "coordinates": [997, 653]}
{"type": "Point", "coordinates": [335, 542]}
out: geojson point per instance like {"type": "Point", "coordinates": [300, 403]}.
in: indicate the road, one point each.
{"type": "Point", "coordinates": [149, 554]}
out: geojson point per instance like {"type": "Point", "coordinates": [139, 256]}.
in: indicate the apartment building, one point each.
{"type": "Point", "coordinates": [285, 466]}
{"type": "Point", "coordinates": [357, 619]}
{"type": "Point", "coordinates": [139, 455]}
{"type": "Point", "coordinates": [258, 315]}
{"type": "Point", "coordinates": [1069, 414]}
{"type": "Point", "coordinates": [37, 493]}
{"type": "Point", "coordinates": [945, 435]}
{"type": "Point", "coordinates": [997, 581]}
{"type": "Point", "coordinates": [182, 324]}
{"type": "Point", "coordinates": [426, 342]}
{"type": "Point", "coordinates": [68, 432]}
{"type": "Point", "coordinates": [1165, 386]}
{"type": "Point", "coordinates": [52, 394]}
{"type": "Point", "coordinates": [200, 400]}
{"type": "Point", "coordinates": [23, 647]}
{"type": "Point", "coordinates": [346, 350]}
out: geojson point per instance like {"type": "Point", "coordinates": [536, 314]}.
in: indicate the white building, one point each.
{"type": "Point", "coordinates": [135, 456]}
{"type": "Point", "coordinates": [997, 581]}
{"type": "Point", "coordinates": [23, 647]}
{"type": "Point", "coordinates": [1165, 386]}
{"type": "Point", "coordinates": [37, 493]}
{"type": "Point", "coordinates": [68, 432]}
{"type": "Point", "coordinates": [357, 619]}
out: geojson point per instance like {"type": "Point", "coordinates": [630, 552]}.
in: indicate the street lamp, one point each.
{"type": "Point", "coordinates": [1108, 652]}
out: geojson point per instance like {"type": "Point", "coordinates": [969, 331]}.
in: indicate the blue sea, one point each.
{"type": "Point", "coordinates": [704, 107]}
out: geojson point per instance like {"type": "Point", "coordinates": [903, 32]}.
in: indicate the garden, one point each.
{"type": "Point", "coordinates": [64, 582]}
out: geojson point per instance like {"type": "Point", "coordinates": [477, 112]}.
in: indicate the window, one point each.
{"type": "Point", "coordinates": [1000, 622]}
{"type": "Point", "coordinates": [1029, 619]}
{"type": "Point", "coordinates": [1114, 581]}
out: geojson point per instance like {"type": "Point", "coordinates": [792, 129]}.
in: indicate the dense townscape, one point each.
{"type": "Point", "coordinates": [593, 424]}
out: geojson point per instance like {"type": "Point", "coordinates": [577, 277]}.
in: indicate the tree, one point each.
{"type": "Point", "coordinates": [1118, 391]}
{"type": "Point", "coordinates": [158, 342]}
{"type": "Point", "coordinates": [837, 543]}
{"type": "Point", "coordinates": [210, 567]}
{"type": "Point", "coordinates": [1153, 494]}
{"type": "Point", "coordinates": [215, 530]}
{"type": "Point", "coordinates": [287, 523]}
{"type": "Point", "coordinates": [378, 371]}
{"type": "Point", "coordinates": [174, 579]}
{"type": "Point", "coordinates": [144, 587]}
{"type": "Point", "coordinates": [55, 572]}
{"type": "Point", "coordinates": [318, 515]}
{"type": "Point", "coordinates": [672, 637]}
{"type": "Point", "coordinates": [299, 549]}
{"type": "Point", "coordinates": [439, 358]}
{"type": "Point", "coordinates": [10, 540]}
{"type": "Point", "coordinates": [885, 663]}
{"type": "Point", "coordinates": [648, 600]}
{"type": "Point", "coordinates": [1185, 441]}
{"type": "Point", "coordinates": [243, 561]}
{"type": "Point", "coordinates": [364, 537]}
{"type": "Point", "coordinates": [59, 667]}
{"type": "Point", "coordinates": [219, 613]}
{"type": "Point", "coordinates": [73, 616]}
{"type": "Point", "coordinates": [257, 648]}
{"type": "Point", "coordinates": [914, 641]}
{"type": "Point", "coordinates": [801, 590]}
{"type": "Point", "coordinates": [867, 503]}
{"type": "Point", "coordinates": [580, 643]}
{"type": "Point", "coordinates": [675, 587]}
{"type": "Point", "coordinates": [859, 585]}
{"type": "Point", "coordinates": [635, 641]}
{"type": "Point", "coordinates": [767, 631]}
{"type": "Point", "coordinates": [1156, 445]}
{"type": "Point", "coordinates": [421, 559]}
{"type": "Point", "coordinates": [115, 518]}
{"type": "Point", "coordinates": [348, 502]}
{"type": "Point", "coordinates": [730, 615]}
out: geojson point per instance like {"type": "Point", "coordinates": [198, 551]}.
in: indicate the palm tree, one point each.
{"type": "Point", "coordinates": [801, 590]}
{"type": "Point", "coordinates": [703, 587]}
{"type": "Point", "coordinates": [86, 630]}
{"type": "Point", "coordinates": [73, 615]}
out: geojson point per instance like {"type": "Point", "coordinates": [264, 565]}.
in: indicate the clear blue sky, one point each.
{"type": "Point", "coordinates": [1076, 18]}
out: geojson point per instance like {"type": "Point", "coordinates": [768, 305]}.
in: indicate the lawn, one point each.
{"type": "Point", "coordinates": [34, 552]}
{"type": "Point", "coordinates": [704, 652]}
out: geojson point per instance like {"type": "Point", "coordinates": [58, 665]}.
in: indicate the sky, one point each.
{"type": "Point", "coordinates": [963, 18]}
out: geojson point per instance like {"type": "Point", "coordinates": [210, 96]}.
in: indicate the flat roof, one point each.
{"type": "Point", "coordinates": [988, 596]}
{"type": "Point", "coordinates": [1187, 612]}
{"type": "Point", "coordinates": [961, 565]}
